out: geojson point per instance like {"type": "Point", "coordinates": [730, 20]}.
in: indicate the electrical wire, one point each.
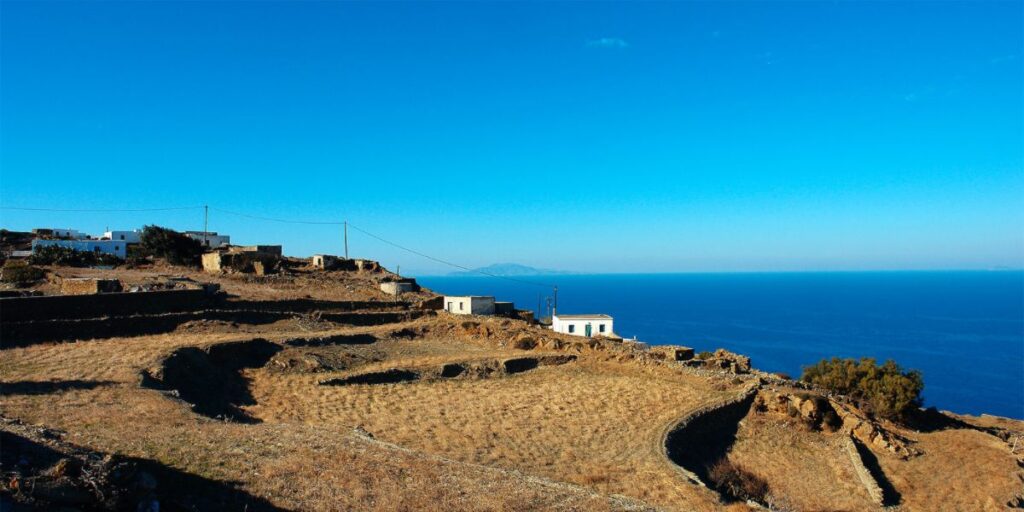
{"type": "Point", "coordinates": [455, 265]}
{"type": "Point", "coordinates": [80, 210]}
{"type": "Point", "coordinates": [271, 219]}
{"type": "Point", "coordinates": [292, 221]}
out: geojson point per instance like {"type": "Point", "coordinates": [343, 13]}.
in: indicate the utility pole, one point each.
{"type": "Point", "coordinates": [206, 224]}
{"type": "Point", "coordinates": [554, 309]}
{"type": "Point", "coordinates": [346, 239]}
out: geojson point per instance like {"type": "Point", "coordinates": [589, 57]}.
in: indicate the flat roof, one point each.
{"type": "Point", "coordinates": [584, 317]}
{"type": "Point", "coordinates": [470, 296]}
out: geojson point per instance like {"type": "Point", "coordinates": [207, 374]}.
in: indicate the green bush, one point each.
{"type": "Point", "coordinates": [885, 390]}
{"type": "Point", "coordinates": [68, 257]}
{"type": "Point", "coordinates": [20, 273]}
{"type": "Point", "coordinates": [705, 355]}
{"type": "Point", "coordinates": [176, 248]}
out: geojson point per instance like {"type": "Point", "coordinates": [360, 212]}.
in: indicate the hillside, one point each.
{"type": "Point", "coordinates": [314, 390]}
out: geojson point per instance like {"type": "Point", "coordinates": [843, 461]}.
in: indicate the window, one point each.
{"type": "Point", "coordinates": [122, 237]}
{"type": "Point", "coordinates": [572, 328]}
{"type": "Point", "coordinates": [461, 304]}
{"type": "Point", "coordinates": [449, 307]}
{"type": "Point", "coordinates": [600, 327]}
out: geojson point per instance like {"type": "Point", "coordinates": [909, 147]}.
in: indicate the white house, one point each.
{"type": "Point", "coordinates": [583, 325]}
{"type": "Point", "coordinates": [469, 305]}
{"type": "Point", "coordinates": [113, 247]}
{"type": "Point", "coordinates": [128, 237]}
{"type": "Point", "coordinates": [209, 238]}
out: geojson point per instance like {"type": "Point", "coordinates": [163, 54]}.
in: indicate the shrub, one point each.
{"type": "Point", "coordinates": [885, 390]}
{"type": "Point", "coordinates": [736, 482]}
{"type": "Point", "coordinates": [20, 273]}
{"type": "Point", "coordinates": [705, 355]}
{"type": "Point", "coordinates": [176, 248]}
{"type": "Point", "coordinates": [68, 257]}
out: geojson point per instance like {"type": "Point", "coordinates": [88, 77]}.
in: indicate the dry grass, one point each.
{"type": "Point", "coordinates": [958, 470]}
{"type": "Point", "coordinates": [587, 435]}
{"type": "Point", "coordinates": [315, 467]}
{"type": "Point", "coordinates": [596, 424]}
{"type": "Point", "coordinates": [805, 470]}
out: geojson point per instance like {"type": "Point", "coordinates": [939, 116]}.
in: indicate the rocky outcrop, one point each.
{"type": "Point", "coordinates": [671, 352]}
{"type": "Point", "coordinates": [871, 433]}
{"type": "Point", "coordinates": [721, 359]}
{"type": "Point", "coordinates": [42, 471]}
{"type": "Point", "coordinates": [812, 410]}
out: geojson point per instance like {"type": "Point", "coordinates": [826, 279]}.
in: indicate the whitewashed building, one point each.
{"type": "Point", "coordinates": [469, 304]}
{"type": "Point", "coordinates": [128, 237]}
{"type": "Point", "coordinates": [583, 325]}
{"type": "Point", "coordinates": [209, 239]}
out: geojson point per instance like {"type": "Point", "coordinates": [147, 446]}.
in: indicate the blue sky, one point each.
{"type": "Point", "coordinates": [602, 137]}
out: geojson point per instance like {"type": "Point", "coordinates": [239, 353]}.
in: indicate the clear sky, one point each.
{"type": "Point", "coordinates": [618, 137]}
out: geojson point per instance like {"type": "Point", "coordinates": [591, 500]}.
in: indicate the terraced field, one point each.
{"type": "Point", "coordinates": [331, 404]}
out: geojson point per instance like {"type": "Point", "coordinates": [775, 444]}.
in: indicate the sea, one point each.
{"type": "Point", "coordinates": [964, 330]}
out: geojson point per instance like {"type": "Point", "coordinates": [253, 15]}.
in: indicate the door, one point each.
{"type": "Point", "coordinates": [588, 330]}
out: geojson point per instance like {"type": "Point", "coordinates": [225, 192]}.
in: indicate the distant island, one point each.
{"type": "Point", "coordinates": [510, 269]}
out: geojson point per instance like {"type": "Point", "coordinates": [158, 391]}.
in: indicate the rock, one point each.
{"type": "Point", "coordinates": [524, 342]}
{"type": "Point", "coordinates": [63, 467]}
{"type": "Point", "coordinates": [671, 352]}
{"type": "Point", "coordinates": [61, 491]}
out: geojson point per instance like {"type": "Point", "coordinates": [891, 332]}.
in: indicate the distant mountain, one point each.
{"type": "Point", "coordinates": [510, 269]}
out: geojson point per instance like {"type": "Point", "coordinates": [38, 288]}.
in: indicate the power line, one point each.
{"type": "Point", "coordinates": [271, 219]}
{"type": "Point", "coordinates": [438, 260]}
{"type": "Point", "coordinates": [292, 221]}
{"type": "Point", "coordinates": [393, 244]}
{"type": "Point", "coordinates": [81, 210]}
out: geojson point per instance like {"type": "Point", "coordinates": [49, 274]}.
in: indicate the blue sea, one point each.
{"type": "Point", "coordinates": [963, 330]}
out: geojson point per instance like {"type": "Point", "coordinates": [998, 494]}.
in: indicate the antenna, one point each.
{"type": "Point", "coordinates": [206, 224]}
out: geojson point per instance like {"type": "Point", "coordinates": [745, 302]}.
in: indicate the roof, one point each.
{"type": "Point", "coordinates": [584, 317]}
{"type": "Point", "coordinates": [470, 296]}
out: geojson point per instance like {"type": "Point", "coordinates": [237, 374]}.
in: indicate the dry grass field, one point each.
{"type": "Point", "coordinates": [476, 424]}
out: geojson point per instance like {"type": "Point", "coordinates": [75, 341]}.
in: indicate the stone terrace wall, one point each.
{"type": "Point", "coordinates": [73, 307]}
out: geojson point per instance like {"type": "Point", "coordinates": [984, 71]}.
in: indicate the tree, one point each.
{"type": "Point", "coordinates": [175, 247]}
{"type": "Point", "coordinates": [885, 390]}
{"type": "Point", "coordinates": [68, 257]}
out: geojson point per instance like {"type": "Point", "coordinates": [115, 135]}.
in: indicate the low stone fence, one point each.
{"type": "Point", "coordinates": [74, 307]}
{"type": "Point", "coordinates": [310, 305]}
{"type": "Point", "coordinates": [17, 334]}
{"type": "Point", "coordinates": [705, 435]}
